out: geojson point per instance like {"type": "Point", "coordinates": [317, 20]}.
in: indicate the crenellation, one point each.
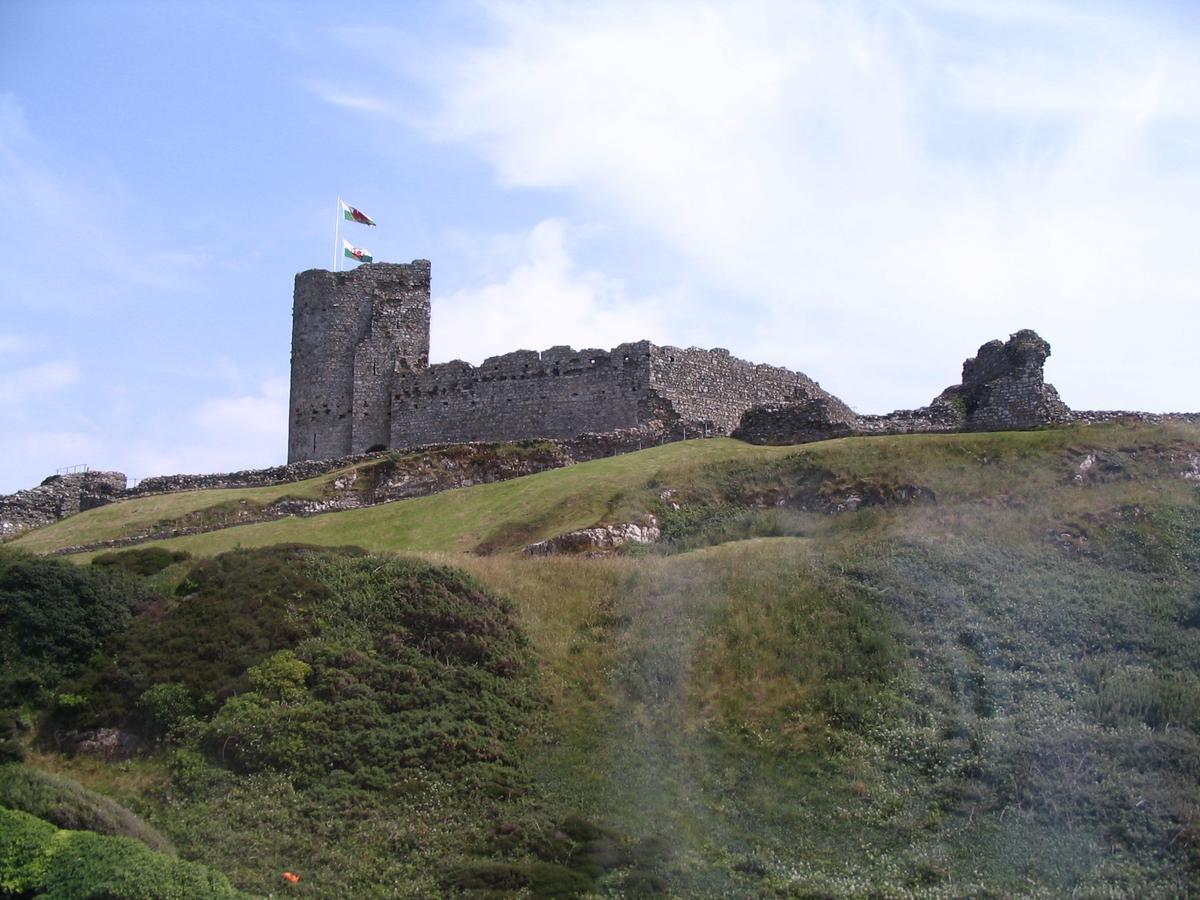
{"type": "Point", "coordinates": [351, 333]}
{"type": "Point", "coordinates": [361, 381]}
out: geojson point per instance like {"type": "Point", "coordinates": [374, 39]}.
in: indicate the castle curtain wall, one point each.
{"type": "Point", "coordinates": [559, 393]}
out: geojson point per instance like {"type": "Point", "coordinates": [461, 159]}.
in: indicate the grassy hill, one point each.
{"type": "Point", "coordinates": [909, 666]}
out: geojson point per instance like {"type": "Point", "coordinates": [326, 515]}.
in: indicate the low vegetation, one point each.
{"type": "Point", "coordinates": [929, 666]}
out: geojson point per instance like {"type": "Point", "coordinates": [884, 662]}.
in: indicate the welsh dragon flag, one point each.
{"type": "Point", "coordinates": [358, 253]}
{"type": "Point", "coordinates": [350, 214]}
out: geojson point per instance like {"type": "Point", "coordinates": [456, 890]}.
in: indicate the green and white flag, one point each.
{"type": "Point", "coordinates": [350, 214]}
{"type": "Point", "coordinates": [358, 253]}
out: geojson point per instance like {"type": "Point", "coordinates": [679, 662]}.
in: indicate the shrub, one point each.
{"type": "Point", "coordinates": [234, 611]}
{"type": "Point", "coordinates": [23, 859]}
{"type": "Point", "coordinates": [38, 859]}
{"type": "Point", "coordinates": [11, 749]}
{"type": "Point", "coordinates": [53, 617]}
{"type": "Point", "coordinates": [141, 560]}
{"type": "Point", "coordinates": [165, 706]}
{"type": "Point", "coordinates": [68, 804]}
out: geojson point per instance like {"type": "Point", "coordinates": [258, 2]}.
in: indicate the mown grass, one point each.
{"type": "Point", "coordinates": [501, 516]}
{"type": "Point", "coordinates": [128, 517]}
{"type": "Point", "coordinates": [505, 516]}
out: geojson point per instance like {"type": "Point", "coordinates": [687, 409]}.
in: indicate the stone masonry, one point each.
{"type": "Point", "coordinates": [1002, 388]}
{"type": "Point", "coordinates": [351, 333]}
{"type": "Point", "coordinates": [57, 497]}
{"type": "Point", "coordinates": [361, 379]}
{"type": "Point", "coordinates": [562, 393]}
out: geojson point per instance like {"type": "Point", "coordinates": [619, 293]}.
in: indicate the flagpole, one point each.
{"type": "Point", "coordinates": [337, 231]}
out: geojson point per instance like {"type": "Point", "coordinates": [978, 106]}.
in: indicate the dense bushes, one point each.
{"type": "Point", "coordinates": [37, 859]}
{"type": "Point", "coordinates": [230, 613]}
{"type": "Point", "coordinates": [141, 560]}
{"type": "Point", "coordinates": [67, 804]}
{"type": "Point", "coordinates": [409, 665]}
{"type": "Point", "coordinates": [325, 690]}
{"type": "Point", "coordinates": [53, 617]}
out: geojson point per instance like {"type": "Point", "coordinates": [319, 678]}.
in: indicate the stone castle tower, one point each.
{"type": "Point", "coordinates": [361, 379]}
{"type": "Point", "coordinates": [351, 333]}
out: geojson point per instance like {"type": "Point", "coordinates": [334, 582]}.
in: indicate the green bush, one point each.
{"type": "Point", "coordinates": [165, 706]}
{"type": "Point", "coordinates": [24, 841]}
{"type": "Point", "coordinates": [53, 617]}
{"type": "Point", "coordinates": [68, 804]}
{"type": "Point", "coordinates": [141, 560]}
{"type": "Point", "coordinates": [36, 859]}
{"type": "Point", "coordinates": [233, 612]}
{"type": "Point", "coordinates": [11, 748]}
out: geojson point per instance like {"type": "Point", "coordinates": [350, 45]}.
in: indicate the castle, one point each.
{"type": "Point", "coordinates": [361, 383]}
{"type": "Point", "coordinates": [361, 379]}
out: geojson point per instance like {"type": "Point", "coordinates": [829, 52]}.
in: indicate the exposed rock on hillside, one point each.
{"type": "Point", "coordinates": [599, 541]}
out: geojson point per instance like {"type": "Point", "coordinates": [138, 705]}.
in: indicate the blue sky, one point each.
{"type": "Point", "coordinates": [864, 192]}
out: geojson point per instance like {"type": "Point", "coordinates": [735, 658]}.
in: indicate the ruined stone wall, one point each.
{"type": "Point", "coordinates": [562, 393]}
{"type": "Point", "coordinates": [713, 387]}
{"type": "Point", "coordinates": [558, 393]}
{"type": "Point", "coordinates": [57, 497]}
{"type": "Point", "coordinates": [1003, 385]}
{"type": "Point", "coordinates": [1002, 388]}
{"type": "Point", "coordinates": [350, 331]}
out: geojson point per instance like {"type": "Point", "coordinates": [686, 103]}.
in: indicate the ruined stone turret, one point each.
{"type": "Point", "coordinates": [1003, 386]}
{"type": "Point", "coordinates": [351, 332]}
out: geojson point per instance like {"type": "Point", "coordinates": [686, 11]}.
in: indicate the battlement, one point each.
{"type": "Point", "coordinates": [361, 379]}
{"type": "Point", "coordinates": [350, 332]}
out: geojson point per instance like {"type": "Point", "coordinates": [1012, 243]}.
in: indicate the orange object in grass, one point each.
{"type": "Point", "coordinates": [291, 877]}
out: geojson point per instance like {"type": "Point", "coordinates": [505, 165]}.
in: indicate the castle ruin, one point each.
{"type": "Point", "coordinates": [361, 378]}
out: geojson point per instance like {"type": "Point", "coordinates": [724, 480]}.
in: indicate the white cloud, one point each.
{"type": "Point", "coordinates": [542, 302]}
{"type": "Point", "coordinates": [357, 102]}
{"type": "Point", "coordinates": [30, 384]}
{"type": "Point", "coordinates": [221, 434]}
{"type": "Point", "coordinates": [246, 417]}
{"type": "Point", "coordinates": [891, 184]}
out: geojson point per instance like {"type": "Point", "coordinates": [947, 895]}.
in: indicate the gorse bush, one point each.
{"type": "Point", "coordinates": [53, 617]}
{"type": "Point", "coordinates": [409, 665]}
{"type": "Point", "coordinates": [352, 685]}
{"type": "Point", "coordinates": [141, 560]}
{"type": "Point", "coordinates": [37, 859]}
{"type": "Point", "coordinates": [230, 613]}
{"type": "Point", "coordinates": [68, 804]}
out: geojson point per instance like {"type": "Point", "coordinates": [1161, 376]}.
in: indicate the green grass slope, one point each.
{"type": "Point", "coordinates": [127, 517]}
{"type": "Point", "coordinates": [503, 515]}
{"type": "Point", "coordinates": [962, 665]}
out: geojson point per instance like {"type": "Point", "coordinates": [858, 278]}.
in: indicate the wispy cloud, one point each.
{"type": "Point", "coordinates": [31, 384]}
{"type": "Point", "coordinates": [544, 300]}
{"type": "Point", "coordinates": [50, 209]}
{"type": "Point", "coordinates": [885, 186]}
{"type": "Point", "coordinates": [225, 433]}
{"type": "Point", "coordinates": [358, 102]}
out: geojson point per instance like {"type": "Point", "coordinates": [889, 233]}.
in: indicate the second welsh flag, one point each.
{"type": "Point", "coordinates": [358, 253]}
{"type": "Point", "coordinates": [350, 214]}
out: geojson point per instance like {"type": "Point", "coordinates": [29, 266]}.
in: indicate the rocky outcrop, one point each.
{"type": "Point", "coordinates": [798, 422]}
{"type": "Point", "coordinates": [602, 540]}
